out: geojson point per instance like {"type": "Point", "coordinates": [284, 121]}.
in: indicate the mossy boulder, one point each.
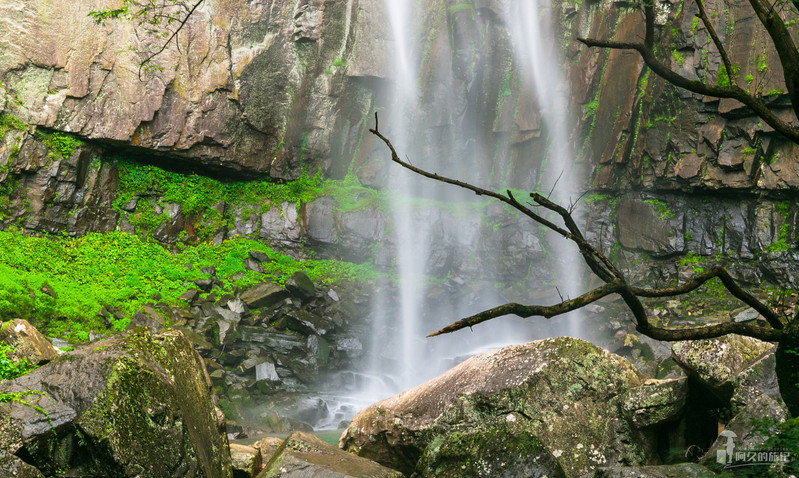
{"type": "Point", "coordinates": [718, 363]}
{"type": "Point", "coordinates": [555, 404]}
{"type": "Point", "coordinates": [656, 402]}
{"type": "Point", "coordinates": [247, 460]}
{"type": "Point", "coordinates": [138, 405]}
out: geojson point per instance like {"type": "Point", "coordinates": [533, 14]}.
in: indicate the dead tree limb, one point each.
{"type": "Point", "coordinates": [615, 282]}
{"type": "Point", "coordinates": [780, 36]}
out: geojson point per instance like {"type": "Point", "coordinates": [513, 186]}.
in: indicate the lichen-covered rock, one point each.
{"type": "Point", "coordinates": [13, 466]}
{"type": "Point", "coordinates": [138, 405]}
{"type": "Point", "coordinates": [28, 342]}
{"type": "Point", "coordinates": [718, 362]}
{"type": "Point", "coordinates": [500, 451]}
{"type": "Point", "coordinates": [304, 455]}
{"type": "Point", "coordinates": [561, 398]}
{"type": "Point", "coordinates": [656, 402]}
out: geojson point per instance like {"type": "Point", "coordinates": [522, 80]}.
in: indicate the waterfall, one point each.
{"type": "Point", "coordinates": [413, 119]}
{"type": "Point", "coordinates": [534, 48]}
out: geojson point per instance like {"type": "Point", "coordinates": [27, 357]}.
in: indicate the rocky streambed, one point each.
{"type": "Point", "coordinates": [142, 404]}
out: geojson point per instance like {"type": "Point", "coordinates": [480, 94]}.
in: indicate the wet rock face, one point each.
{"type": "Point", "coordinates": [135, 405]}
{"type": "Point", "coordinates": [229, 95]}
{"type": "Point", "coordinates": [559, 397]}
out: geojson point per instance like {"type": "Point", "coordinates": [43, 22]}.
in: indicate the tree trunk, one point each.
{"type": "Point", "coordinates": [788, 373]}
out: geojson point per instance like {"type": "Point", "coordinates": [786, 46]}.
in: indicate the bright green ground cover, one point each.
{"type": "Point", "coordinates": [117, 269]}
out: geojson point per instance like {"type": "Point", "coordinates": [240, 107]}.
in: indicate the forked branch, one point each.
{"type": "Point", "coordinates": [605, 270]}
{"type": "Point", "coordinates": [786, 48]}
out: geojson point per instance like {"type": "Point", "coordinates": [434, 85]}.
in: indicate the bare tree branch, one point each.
{"type": "Point", "coordinates": [614, 279]}
{"type": "Point", "coordinates": [525, 311]}
{"type": "Point", "coordinates": [728, 282]}
{"type": "Point", "coordinates": [785, 46]}
{"type": "Point", "coordinates": [778, 32]}
{"type": "Point", "coordinates": [174, 35]}
{"type": "Point", "coordinates": [725, 58]}
{"type": "Point", "coordinates": [596, 261]}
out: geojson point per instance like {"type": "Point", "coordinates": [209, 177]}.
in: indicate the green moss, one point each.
{"type": "Point", "coordinates": [11, 368]}
{"type": "Point", "coordinates": [678, 57]}
{"type": "Point", "coordinates": [123, 271]}
{"type": "Point", "coordinates": [461, 7]}
{"type": "Point", "coordinates": [196, 193]}
{"type": "Point", "coordinates": [9, 122]}
{"type": "Point", "coordinates": [661, 208]}
{"type": "Point", "coordinates": [61, 145]}
{"type": "Point", "coordinates": [351, 196]}
{"type": "Point", "coordinates": [493, 451]}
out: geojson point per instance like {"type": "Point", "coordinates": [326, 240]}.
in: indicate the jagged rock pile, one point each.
{"type": "Point", "coordinates": [268, 345]}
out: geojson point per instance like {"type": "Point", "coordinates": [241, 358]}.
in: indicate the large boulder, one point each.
{"type": "Point", "coordinates": [138, 405]}
{"type": "Point", "coordinates": [303, 455]}
{"type": "Point", "coordinates": [556, 404]}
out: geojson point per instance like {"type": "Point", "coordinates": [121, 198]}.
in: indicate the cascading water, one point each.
{"type": "Point", "coordinates": [533, 42]}
{"type": "Point", "coordinates": [401, 355]}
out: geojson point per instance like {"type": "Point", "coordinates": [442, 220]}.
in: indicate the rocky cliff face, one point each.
{"type": "Point", "coordinates": [249, 87]}
{"type": "Point", "coordinates": [274, 88]}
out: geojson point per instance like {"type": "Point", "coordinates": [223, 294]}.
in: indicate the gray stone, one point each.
{"type": "Point", "coordinates": [266, 371]}
{"type": "Point", "coordinates": [718, 362]}
{"type": "Point", "coordinates": [259, 256]}
{"type": "Point", "coordinates": [237, 306]}
{"type": "Point", "coordinates": [656, 402]}
{"type": "Point", "coordinates": [253, 265]}
{"type": "Point", "coordinates": [649, 225]}
{"type": "Point", "coordinates": [684, 470]}
{"type": "Point", "coordinates": [744, 315]}
{"type": "Point", "coordinates": [190, 295]}
{"type": "Point", "coordinates": [246, 460]}
{"type": "Point", "coordinates": [299, 284]}
{"type": "Point", "coordinates": [303, 455]}
{"type": "Point", "coordinates": [264, 294]}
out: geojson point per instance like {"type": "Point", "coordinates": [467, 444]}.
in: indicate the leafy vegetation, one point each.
{"type": "Point", "coordinates": [10, 369]}
{"type": "Point", "coordinates": [662, 208]}
{"type": "Point", "coordinates": [60, 284]}
{"type": "Point", "coordinates": [9, 122]}
{"type": "Point", "coordinates": [195, 193]}
{"type": "Point", "coordinates": [61, 145]}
